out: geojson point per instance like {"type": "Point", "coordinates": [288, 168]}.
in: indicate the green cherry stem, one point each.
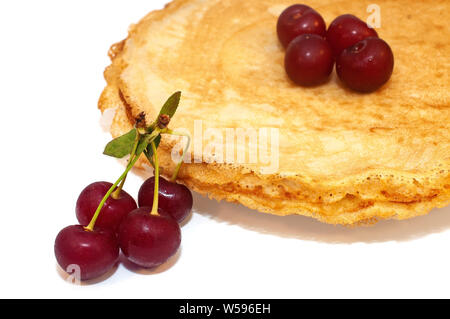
{"type": "Point", "coordinates": [91, 225]}
{"type": "Point", "coordinates": [156, 189]}
{"type": "Point", "coordinates": [116, 193]}
{"type": "Point", "coordinates": [186, 148]}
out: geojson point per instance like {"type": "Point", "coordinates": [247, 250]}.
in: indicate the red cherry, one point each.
{"type": "Point", "coordinates": [366, 66]}
{"type": "Point", "coordinates": [94, 252]}
{"type": "Point", "coordinates": [345, 31]}
{"type": "Point", "coordinates": [148, 240]}
{"type": "Point", "coordinates": [309, 60]}
{"type": "Point", "coordinates": [174, 199]}
{"type": "Point", "coordinates": [299, 19]}
{"type": "Point", "coordinates": [112, 212]}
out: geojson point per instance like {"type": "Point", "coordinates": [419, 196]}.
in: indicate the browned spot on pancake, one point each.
{"type": "Point", "coordinates": [365, 204]}
{"type": "Point", "coordinates": [403, 198]}
{"type": "Point", "coordinates": [438, 106]}
{"type": "Point", "coordinates": [379, 129]}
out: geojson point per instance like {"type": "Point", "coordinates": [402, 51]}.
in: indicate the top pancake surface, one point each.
{"type": "Point", "coordinates": [225, 57]}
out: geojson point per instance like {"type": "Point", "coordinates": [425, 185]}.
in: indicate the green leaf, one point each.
{"type": "Point", "coordinates": [148, 152]}
{"type": "Point", "coordinates": [143, 143]}
{"type": "Point", "coordinates": [171, 105]}
{"type": "Point", "coordinates": [145, 140]}
{"type": "Point", "coordinates": [121, 146]}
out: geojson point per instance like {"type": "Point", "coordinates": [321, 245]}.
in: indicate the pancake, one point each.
{"type": "Point", "coordinates": [344, 157]}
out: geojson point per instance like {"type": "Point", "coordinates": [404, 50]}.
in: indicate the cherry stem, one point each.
{"type": "Point", "coordinates": [186, 148]}
{"type": "Point", "coordinates": [116, 193]}
{"type": "Point", "coordinates": [91, 225]}
{"type": "Point", "coordinates": [156, 190]}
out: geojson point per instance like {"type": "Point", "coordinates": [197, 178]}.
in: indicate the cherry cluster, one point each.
{"type": "Point", "coordinates": [110, 220]}
{"type": "Point", "coordinates": [364, 62]}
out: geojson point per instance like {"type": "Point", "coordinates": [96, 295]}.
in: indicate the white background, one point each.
{"type": "Point", "coordinates": [52, 57]}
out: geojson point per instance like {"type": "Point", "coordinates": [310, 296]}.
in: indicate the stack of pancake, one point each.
{"type": "Point", "coordinates": [343, 157]}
